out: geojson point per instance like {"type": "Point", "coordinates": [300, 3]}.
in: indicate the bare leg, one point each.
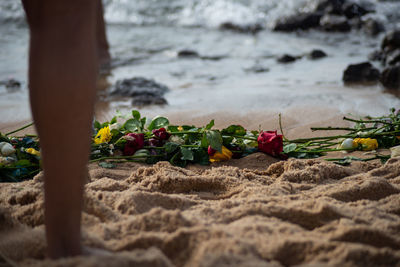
{"type": "Point", "coordinates": [63, 68]}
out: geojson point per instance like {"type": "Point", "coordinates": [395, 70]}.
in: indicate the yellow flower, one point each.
{"type": "Point", "coordinates": [103, 136]}
{"type": "Point", "coordinates": [180, 128]}
{"type": "Point", "coordinates": [32, 151]}
{"type": "Point", "coordinates": [218, 156]}
{"type": "Point", "coordinates": [367, 144]}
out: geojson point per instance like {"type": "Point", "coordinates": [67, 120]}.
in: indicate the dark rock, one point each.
{"type": "Point", "coordinates": [334, 23]}
{"type": "Point", "coordinates": [286, 59]}
{"type": "Point", "coordinates": [391, 40]}
{"type": "Point", "coordinates": [144, 100]}
{"type": "Point", "coordinates": [214, 58]}
{"type": "Point", "coordinates": [143, 91]}
{"type": "Point", "coordinates": [361, 73]}
{"type": "Point", "coordinates": [372, 27]}
{"type": "Point", "coordinates": [390, 77]}
{"type": "Point", "coordinates": [11, 83]}
{"type": "Point", "coordinates": [376, 55]}
{"type": "Point", "coordinates": [188, 54]}
{"type": "Point", "coordinates": [302, 21]}
{"type": "Point", "coordinates": [330, 6]}
{"type": "Point", "coordinates": [250, 28]}
{"type": "Point", "coordinates": [316, 54]}
{"type": "Point", "coordinates": [393, 57]}
{"type": "Point", "coordinates": [257, 69]}
{"type": "Point", "coordinates": [351, 10]}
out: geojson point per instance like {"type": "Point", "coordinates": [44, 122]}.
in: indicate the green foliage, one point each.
{"type": "Point", "coordinates": [234, 130]}
{"type": "Point", "coordinates": [187, 154]}
{"type": "Point", "coordinates": [189, 144]}
{"type": "Point", "coordinates": [214, 139]}
{"type": "Point", "coordinates": [132, 125]}
{"type": "Point", "coordinates": [136, 114]}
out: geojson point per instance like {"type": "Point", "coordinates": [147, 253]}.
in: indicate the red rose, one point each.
{"type": "Point", "coordinates": [161, 134]}
{"type": "Point", "coordinates": [270, 142]}
{"type": "Point", "coordinates": [211, 151]}
{"type": "Point", "coordinates": [134, 142]}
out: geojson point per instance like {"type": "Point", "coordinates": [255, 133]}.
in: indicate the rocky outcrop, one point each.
{"type": "Point", "coordinates": [361, 73]}
{"type": "Point", "coordinates": [316, 54]}
{"type": "Point", "coordinates": [390, 77]}
{"type": "Point", "coordinates": [248, 28]}
{"type": "Point", "coordinates": [143, 91]}
{"type": "Point", "coordinates": [303, 21]}
{"type": "Point", "coordinates": [330, 15]}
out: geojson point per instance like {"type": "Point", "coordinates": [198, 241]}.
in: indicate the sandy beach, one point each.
{"type": "Point", "coordinates": [254, 211]}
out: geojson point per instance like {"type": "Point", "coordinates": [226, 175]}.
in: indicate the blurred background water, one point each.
{"type": "Point", "coordinates": [146, 35]}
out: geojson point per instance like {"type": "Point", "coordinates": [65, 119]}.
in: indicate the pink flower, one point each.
{"type": "Point", "coordinates": [270, 142]}
{"type": "Point", "coordinates": [134, 142]}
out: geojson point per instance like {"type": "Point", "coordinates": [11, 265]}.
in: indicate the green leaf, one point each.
{"type": "Point", "coordinates": [234, 129]}
{"type": "Point", "coordinates": [136, 114]}
{"type": "Point", "coordinates": [210, 125]}
{"type": "Point", "coordinates": [170, 147]}
{"type": "Point", "coordinates": [22, 163]}
{"type": "Point", "coordinates": [204, 142]}
{"type": "Point", "coordinates": [227, 140]}
{"type": "Point", "coordinates": [187, 154]}
{"type": "Point", "coordinates": [289, 148]}
{"type": "Point", "coordinates": [97, 125]}
{"type": "Point", "coordinates": [107, 165]}
{"type": "Point", "coordinates": [201, 156]}
{"type": "Point", "coordinates": [173, 128]}
{"type": "Point", "coordinates": [214, 138]}
{"type": "Point", "coordinates": [177, 161]}
{"type": "Point", "coordinates": [158, 122]}
{"type": "Point", "coordinates": [113, 120]}
{"type": "Point", "coordinates": [114, 132]}
{"type": "Point", "coordinates": [132, 125]}
{"type": "Point", "coordinates": [142, 123]}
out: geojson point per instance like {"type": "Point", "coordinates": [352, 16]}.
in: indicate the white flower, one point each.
{"type": "Point", "coordinates": [6, 149]}
{"type": "Point", "coordinates": [176, 139]}
{"type": "Point", "coordinates": [347, 143]}
{"type": "Point", "coordinates": [117, 125]}
{"type": "Point", "coordinates": [395, 151]}
{"type": "Point", "coordinates": [7, 160]}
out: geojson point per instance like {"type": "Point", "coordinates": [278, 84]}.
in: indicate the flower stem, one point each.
{"type": "Point", "coordinates": [329, 128]}
{"type": "Point", "coordinates": [244, 137]}
{"type": "Point", "coordinates": [325, 150]}
{"type": "Point", "coordinates": [281, 128]}
{"type": "Point", "coordinates": [20, 129]}
{"type": "Point", "coordinates": [369, 121]}
{"type": "Point", "coordinates": [304, 140]}
{"type": "Point", "coordinates": [123, 157]}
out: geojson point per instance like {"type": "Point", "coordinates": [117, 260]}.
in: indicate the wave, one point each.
{"type": "Point", "coordinates": [204, 13]}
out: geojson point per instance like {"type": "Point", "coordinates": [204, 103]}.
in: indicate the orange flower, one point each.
{"type": "Point", "coordinates": [218, 156]}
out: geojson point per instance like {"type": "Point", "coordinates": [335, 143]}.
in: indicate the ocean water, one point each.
{"type": "Point", "coordinates": [146, 35]}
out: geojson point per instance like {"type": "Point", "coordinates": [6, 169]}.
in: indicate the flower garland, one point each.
{"type": "Point", "coordinates": [133, 138]}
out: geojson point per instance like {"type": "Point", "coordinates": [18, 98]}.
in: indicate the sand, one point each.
{"type": "Point", "coordinates": [256, 212]}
